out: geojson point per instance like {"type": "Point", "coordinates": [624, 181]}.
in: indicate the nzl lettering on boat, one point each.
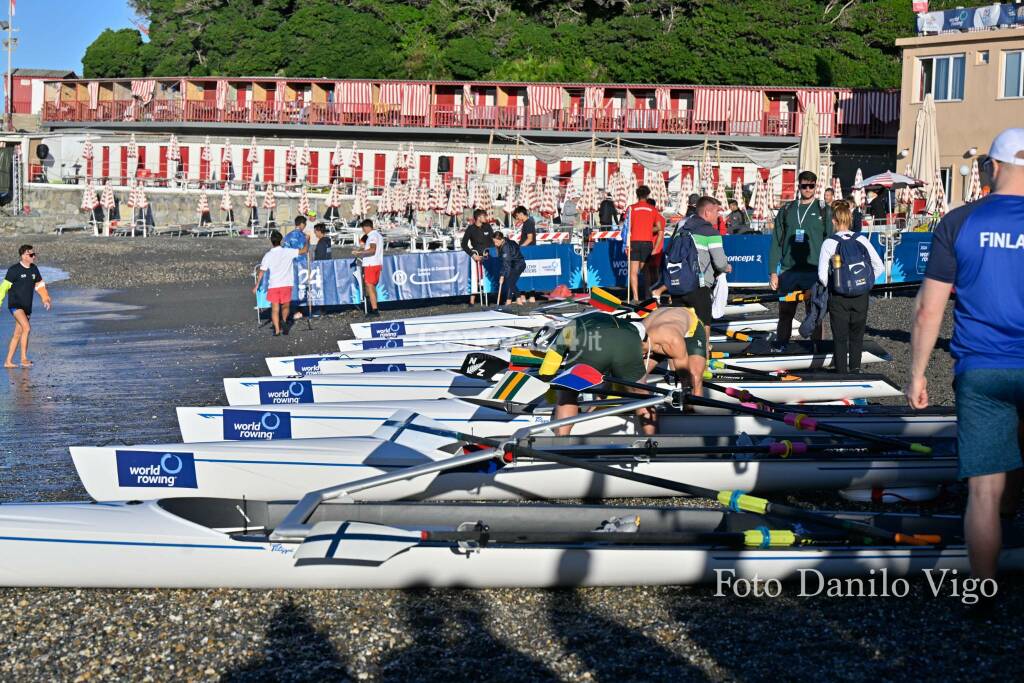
{"type": "Point", "coordinates": [287, 391]}
{"type": "Point", "coordinates": [1001, 240]}
{"type": "Point", "coordinates": [155, 469]}
{"type": "Point", "coordinates": [255, 425]}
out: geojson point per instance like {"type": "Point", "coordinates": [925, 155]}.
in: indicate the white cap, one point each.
{"type": "Point", "coordinates": [1008, 147]}
{"type": "Point", "coordinates": [640, 329]}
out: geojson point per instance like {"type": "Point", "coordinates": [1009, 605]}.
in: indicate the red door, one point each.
{"type": "Point", "coordinates": [589, 169]}
{"type": "Point", "coordinates": [268, 165]}
{"type": "Point", "coordinates": [161, 171]}
{"type": "Point", "coordinates": [613, 168]}
{"type": "Point", "coordinates": [424, 169]}
{"type": "Point", "coordinates": [88, 167]}
{"type": "Point", "coordinates": [494, 165]}
{"type": "Point", "coordinates": [638, 171]}
{"type": "Point", "coordinates": [142, 159]}
{"type": "Point", "coordinates": [105, 162]}
{"type": "Point", "coordinates": [224, 165]}
{"type": "Point", "coordinates": [246, 166]}
{"type": "Point", "coordinates": [737, 175]}
{"type": "Point", "coordinates": [517, 170]}
{"type": "Point", "coordinates": [686, 172]}
{"type": "Point", "coordinates": [564, 172]}
{"type": "Point", "coordinates": [541, 169]}
{"type": "Point", "coordinates": [788, 184]}
{"type": "Point", "coordinates": [124, 172]}
{"type": "Point", "coordinates": [379, 161]}
{"type": "Point", "coordinates": [183, 162]}
{"type": "Point", "coordinates": [313, 172]}
{"type": "Point", "coordinates": [714, 176]}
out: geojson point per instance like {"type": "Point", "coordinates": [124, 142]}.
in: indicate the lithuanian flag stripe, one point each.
{"type": "Point", "coordinates": [521, 357]}
{"type": "Point", "coordinates": [602, 300]}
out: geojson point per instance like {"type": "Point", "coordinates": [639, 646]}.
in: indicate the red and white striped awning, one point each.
{"type": "Point", "coordinates": [728, 104]}
{"type": "Point", "coordinates": [415, 99]}
{"type": "Point", "coordinates": [222, 94]}
{"type": "Point", "coordinates": [391, 93]}
{"type": "Point", "coordinates": [143, 89]}
{"type": "Point", "coordinates": [593, 97]}
{"type": "Point", "coordinates": [544, 98]}
{"type": "Point", "coordinates": [468, 103]}
{"type": "Point", "coordinates": [662, 99]}
{"type": "Point", "coordinates": [825, 102]}
{"type": "Point", "coordinates": [353, 92]}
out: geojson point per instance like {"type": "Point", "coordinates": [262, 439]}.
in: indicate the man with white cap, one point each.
{"type": "Point", "coordinates": [979, 249]}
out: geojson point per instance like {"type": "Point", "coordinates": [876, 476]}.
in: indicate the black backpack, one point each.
{"type": "Point", "coordinates": [681, 272]}
{"type": "Point", "coordinates": [854, 275]}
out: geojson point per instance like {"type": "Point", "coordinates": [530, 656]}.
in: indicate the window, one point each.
{"type": "Point", "coordinates": [942, 77]}
{"type": "Point", "coordinates": [1013, 74]}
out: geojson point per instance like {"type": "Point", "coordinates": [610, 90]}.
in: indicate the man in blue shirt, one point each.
{"type": "Point", "coordinates": [979, 249]}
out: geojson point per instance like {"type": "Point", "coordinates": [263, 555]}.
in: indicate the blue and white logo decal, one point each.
{"type": "Point", "coordinates": [286, 392]}
{"type": "Point", "coordinates": [395, 328]}
{"type": "Point", "coordinates": [370, 344]}
{"type": "Point", "coordinates": [256, 425]}
{"type": "Point", "coordinates": [310, 366]}
{"type": "Point", "coordinates": [384, 367]}
{"type": "Point", "coordinates": [156, 469]}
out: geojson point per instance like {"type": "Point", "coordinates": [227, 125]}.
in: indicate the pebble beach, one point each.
{"type": "Point", "coordinates": [181, 310]}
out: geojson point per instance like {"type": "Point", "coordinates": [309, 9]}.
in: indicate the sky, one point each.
{"type": "Point", "coordinates": [53, 34]}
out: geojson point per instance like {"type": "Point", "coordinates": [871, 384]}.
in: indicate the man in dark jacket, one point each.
{"type": "Point", "coordinates": [800, 228]}
{"type": "Point", "coordinates": [512, 266]}
{"type": "Point", "coordinates": [476, 241]}
{"type": "Point", "coordinates": [606, 212]}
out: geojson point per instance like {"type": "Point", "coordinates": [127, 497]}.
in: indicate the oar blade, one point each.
{"type": "Point", "coordinates": [579, 377]}
{"type": "Point", "coordinates": [518, 387]}
{"type": "Point", "coordinates": [603, 300]}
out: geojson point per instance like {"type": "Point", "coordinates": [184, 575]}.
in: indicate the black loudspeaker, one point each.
{"type": "Point", "coordinates": [444, 164]}
{"type": "Point", "coordinates": [42, 151]}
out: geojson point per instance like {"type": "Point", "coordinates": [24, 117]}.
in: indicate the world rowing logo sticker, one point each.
{"type": "Point", "coordinates": [387, 330]}
{"type": "Point", "coordinates": [370, 344]}
{"type": "Point", "coordinates": [286, 392]}
{"type": "Point", "coordinates": [310, 366]}
{"type": "Point", "coordinates": [384, 367]}
{"type": "Point", "coordinates": [256, 425]}
{"type": "Point", "coordinates": [155, 469]}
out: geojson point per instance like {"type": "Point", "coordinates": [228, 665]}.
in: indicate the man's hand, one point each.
{"type": "Point", "coordinates": [255, 288]}
{"type": "Point", "coordinates": [728, 268]}
{"type": "Point", "coordinates": [773, 281]}
{"type": "Point", "coordinates": [477, 258]}
{"type": "Point", "coordinates": [916, 392]}
{"type": "Point", "coordinates": [47, 304]}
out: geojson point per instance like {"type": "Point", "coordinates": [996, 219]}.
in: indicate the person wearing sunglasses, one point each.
{"type": "Point", "coordinates": [801, 227]}
{"type": "Point", "coordinates": [22, 281]}
{"type": "Point", "coordinates": [979, 249]}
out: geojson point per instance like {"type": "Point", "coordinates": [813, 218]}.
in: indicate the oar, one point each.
{"type": "Point", "coordinates": [781, 375]}
{"type": "Point", "coordinates": [798, 295]}
{"type": "Point", "coordinates": [482, 365]}
{"type": "Point", "coordinates": [782, 448]}
{"type": "Point", "coordinates": [752, 538]}
{"type": "Point", "coordinates": [800, 421]}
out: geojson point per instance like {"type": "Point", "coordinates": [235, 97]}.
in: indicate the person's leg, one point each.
{"type": "Point", "coordinates": [371, 294]}
{"type": "Point", "coordinates": [275, 317]}
{"type": "Point", "coordinates": [15, 340]}
{"type": "Point", "coordinates": [26, 328]}
{"type": "Point", "coordinates": [634, 270]}
{"type": "Point", "coordinates": [981, 523]}
{"type": "Point", "coordinates": [858, 322]}
{"type": "Point", "coordinates": [285, 309]}
{"type": "Point", "coordinates": [784, 330]}
{"type": "Point", "coordinates": [567, 406]}
{"type": "Point", "coordinates": [839, 318]}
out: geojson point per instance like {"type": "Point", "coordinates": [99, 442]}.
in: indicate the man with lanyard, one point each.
{"type": "Point", "coordinates": [373, 262]}
{"type": "Point", "coordinates": [800, 228]}
{"type": "Point", "coordinates": [646, 230]}
{"type": "Point", "coordinates": [477, 239]}
{"type": "Point", "coordinates": [21, 282]}
{"type": "Point", "coordinates": [527, 235]}
{"type": "Point", "coordinates": [628, 350]}
{"type": "Point", "coordinates": [979, 249]}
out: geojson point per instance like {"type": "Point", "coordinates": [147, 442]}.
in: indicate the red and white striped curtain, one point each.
{"type": "Point", "coordinates": [662, 99]}
{"type": "Point", "coordinates": [94, 94]}
{"type": "Point", "coordinates": [859, 107]}
{"type": "Point", "coordinates": [353, 92]}
{"type": "Point", "coordinates": [222, 94]}
{"type": "Point", "coordinates": [391, 93]}
{"type": "Point", "coordinates": [728, 104]}
{"type": "Point", "coordinates": [415, 99]}
{"type": "Point", "coordinates": [143, 89]}
{"type": "Point", "coordinates": [825, 102]}
{"type": "Point", "coordinates": [279, 92]}
{"type": "Point", "coordinates": [544, 98]}
{"type": "Point", "coordinates": [468, 104]}
{"type": "Point", "coordinates": [593, 97]}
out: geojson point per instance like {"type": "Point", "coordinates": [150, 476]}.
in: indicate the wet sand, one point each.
{"type": "Point", "coordinates": [114, 364]}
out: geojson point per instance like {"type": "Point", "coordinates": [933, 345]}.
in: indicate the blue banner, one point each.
{"type": "Point", "coordinates": [547, 266]}
{"type": "Point", "coordinates": [968, 18]}
{"type": "Point", "coordinates": [427, 275]}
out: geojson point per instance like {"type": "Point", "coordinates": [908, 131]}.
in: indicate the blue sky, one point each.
{"type": "Point", "coordinates": [53, 34]}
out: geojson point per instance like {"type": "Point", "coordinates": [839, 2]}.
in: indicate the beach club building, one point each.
{"type": "Point", "coordinates": [510, 130]}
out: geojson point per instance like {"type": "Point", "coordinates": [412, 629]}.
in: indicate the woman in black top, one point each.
{"type": "Point", "coordinates": [22, 281]}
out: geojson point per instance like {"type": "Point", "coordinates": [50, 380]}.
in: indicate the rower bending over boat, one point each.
{"type": "Point", "coordinates": [628, 351]}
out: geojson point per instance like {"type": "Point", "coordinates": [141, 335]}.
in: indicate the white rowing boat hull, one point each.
{"type": "Point", "coordinates": [817, 390]}
{"type": "Point", "coordinates": [485, 337]}
{"type": "Point", "coordinates": [278, 470]}
{"type": "Point", "coordinates": [122, 545]}
{"type": "Point", "coordinates": [287, 366]}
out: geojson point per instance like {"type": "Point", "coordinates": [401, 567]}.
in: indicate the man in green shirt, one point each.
{"type": "Point", "coordinates": [800, 228]}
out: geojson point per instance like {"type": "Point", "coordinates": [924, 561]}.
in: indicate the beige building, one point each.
{"type": "Point", "coordinates": [976, 80]}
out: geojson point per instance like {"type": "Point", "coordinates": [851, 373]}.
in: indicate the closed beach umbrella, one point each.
{"type": "Point", "coordinates": [252, 204]}
{"type": "Point", "coordinates": [720, 195]}
{"type": "Point", "coordinates": [337, 158]}
{"type": "Point", "coordinates": [707, 178]}
{"type": "Point", "coordinates": [837, 187]}
{"type": "Point", "coordinates": [107, 200]}
{"type": "Point", "coordinates": [857, 194]}
{"type": "Point", "coordinates": [685, 190]}
{"type": "Point", "coordinates": [659, 191]}
{"type": "Point", "coordinates": [630, 187]}
{"type": "Point", "coordinates": [269, 200]}
{"type": "Point", "coordinates": [141, 202]}
{"type": "Point", "coordinates": [228, 157]}
{"type": "Point", "coordinates": [334, 198]}
{"type": "Point", "coordinates": [760, 199]}
{"type": "Point", "coordinates": [227, 206]}
{"type": "Point", "coordinates": [303, 202]}
{"type": "Point", "coordinates": [423, 198]}
{"type": "Point", "coordinates": [174, 149]}
{"type": "Point", "coordinates": [205, 153]}
{"type": "Point", "coordinates": [810, 150]}
{"type": "Point", "coordinates": [87, 152]}
{"type": "Point", "coordinates": [437, 198]}
{"type": "Point", "coordinates": [89, 199]}
{"type": "Point", "coordinates": [133, 148]}
{"type": "Point", "coordinates": [548, 203]}
{"type": "Point", "coordinates": [291, 156]}
{"type": "Point", "coordinates": [737, 194]}
{"type": "Point", "coordinates": [250, 155]}
{"type": "Point", "coordinates": [384, 203]}
{"type": "Point", "coordinates": [361, 204]}
{"type": "Point", "coordinates": [471, 161]}
{"type": "Point", "coordinates": [203, 209]}
{"type": "Point", "coordinates": [974, 187]}
{"type": "Point", "coordinates": [937, 204]}
{"type": "Point", "coordinates": [924, 153]}
{"type": "Point", "coordinates": [304, 158]}
{"type": "Point", "coordinates": [354, 161]}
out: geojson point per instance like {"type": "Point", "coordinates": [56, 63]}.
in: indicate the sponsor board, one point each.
{"type": "Point", "coordinates": [155, 469]}
{"type": "Point", "coordinates": [547, 267]}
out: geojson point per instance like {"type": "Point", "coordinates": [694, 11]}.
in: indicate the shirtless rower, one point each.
{"type": "Point", "coordinates": [628, 350]}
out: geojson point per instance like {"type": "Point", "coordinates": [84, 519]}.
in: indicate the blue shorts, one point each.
{"type": "Point", "coordinates": [989, 405]}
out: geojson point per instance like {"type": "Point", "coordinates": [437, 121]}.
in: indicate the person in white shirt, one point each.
{"type": "Point", "coordinates": [278, 263]}
{"type": "Point", "coordinates": [848, 315]}
{"type": "Point", "coordinates": [373, 260]}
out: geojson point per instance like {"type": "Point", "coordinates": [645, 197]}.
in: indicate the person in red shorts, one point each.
{"type": "Point", "coordinates": [278, 263]}
{"type": "Point", "coordinates": [373, 260]}
{"type": "Point", "coordinates": [646, 225]}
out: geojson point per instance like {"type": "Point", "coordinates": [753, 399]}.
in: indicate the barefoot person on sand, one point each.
{"type": "Point", "coordinates": [21, 283]}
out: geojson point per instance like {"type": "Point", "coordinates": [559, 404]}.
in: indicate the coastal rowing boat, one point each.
{"type": "Point", "coordinates": [208, 543]}
{"type": "Point", "coordinates": [490, 336]}
{"type": "Point", "coordinates": [312, 421]}
{"type": "Point", "coordinates": [278, 470]}
{"type": "Point", "coordinates": [432, 384]}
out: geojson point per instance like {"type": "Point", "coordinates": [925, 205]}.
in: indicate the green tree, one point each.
{"type": "Point", "coordinates": [115, 54]}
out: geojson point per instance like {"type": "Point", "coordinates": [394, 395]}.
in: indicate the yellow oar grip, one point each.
{"type": "Point", "coordinates": [768, 538]}
{"type": "Point", "coordinates": [920, 448]}
{"type": "Point", "coordinates": [716, 365]}
{"type": "Point", "coordinates": [741, 502]}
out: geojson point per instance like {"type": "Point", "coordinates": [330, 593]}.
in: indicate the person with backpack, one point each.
{"type": "Point", "coordinates": [693, 259]}
{"type": "Point", "coordinates": [847, 267]}
{"type": "Point", "coordinates": [800, 228]}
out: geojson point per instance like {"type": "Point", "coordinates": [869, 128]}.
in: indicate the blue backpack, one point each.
{"type": "Point", "coordinates": [854, 276]}
{"type": "Point", "coordinates": [680, 271]}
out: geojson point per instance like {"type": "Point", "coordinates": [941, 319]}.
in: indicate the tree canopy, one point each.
{"type": "Point", "coordinates": [767, 42]}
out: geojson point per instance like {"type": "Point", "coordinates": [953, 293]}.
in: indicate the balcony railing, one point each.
{"type": "Point", "coordinates": [582, 120]}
